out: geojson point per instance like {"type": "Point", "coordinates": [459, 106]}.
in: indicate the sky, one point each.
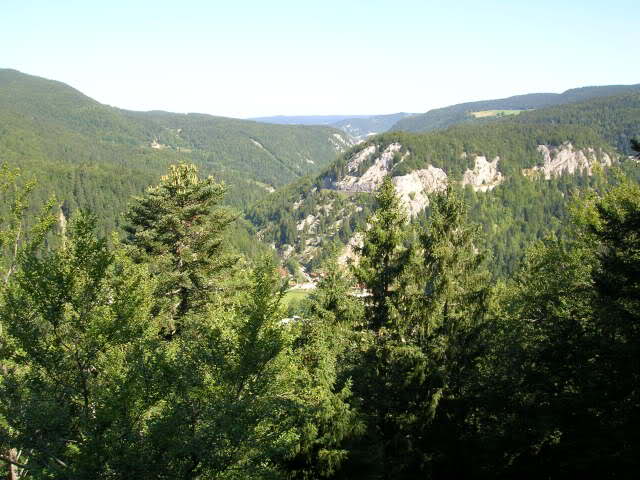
{"type": "Point", "coordinates": [243, 58]}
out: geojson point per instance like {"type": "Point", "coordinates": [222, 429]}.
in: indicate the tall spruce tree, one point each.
{"type": "Point", "coordinates": [445, 322]}
{"type": "Point", "coordinates": [323, 351]}
{"type": "Point", "coordinates": [415, 379]}
{"type": "Point", "coordinates": [382, 256]}
{"type": "Point", "coordinates": [177, 227]}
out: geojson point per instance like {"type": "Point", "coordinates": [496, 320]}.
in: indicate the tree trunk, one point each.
{"type": "Point", "coordinates": [12, 474]}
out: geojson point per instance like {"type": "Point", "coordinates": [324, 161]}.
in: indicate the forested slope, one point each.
{"type": "Point", "coordinates": [615, 118]}
{"type": "Point", "coordinates": [441, 118]}
{"type": "Point", "coordinates": [97, 156]}
{"type": "Point", "coordinates": [518, 175]}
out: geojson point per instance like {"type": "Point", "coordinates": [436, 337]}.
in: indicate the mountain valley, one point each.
{"type": "Point", "coordinates": [518, 173]}
{"type": "Point", "coordinates": [306, 189]}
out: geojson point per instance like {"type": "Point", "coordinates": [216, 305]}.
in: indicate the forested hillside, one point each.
{"type": "Point", "coordinates": [615, 118]}
{"type": "Point", "coordinates": [168, 355]}
{"type": "Point", "coordinates": [517, 174]}
{"type": "Point", "coordinates": [95, 156]}
{"type": "Point", "coordinates": [441, 118]}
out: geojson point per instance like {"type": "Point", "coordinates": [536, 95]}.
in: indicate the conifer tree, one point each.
{"type": "Point", "coordinates": [453, 279]}
{"type": "Point", "coordinates": [177, 227]}
{"type": "Point", "coordinates": [445, 324]}
{"type": "Point", "coordinates": [415, 380]}
{"type": "Point", "coordinates": [383, 256]}
{"type": "Point", "coordinates": [77, 389]}
{"type": "Point", "coordinates": [323, 352]}
{"type": "Point", "coordinates": [332, 302]}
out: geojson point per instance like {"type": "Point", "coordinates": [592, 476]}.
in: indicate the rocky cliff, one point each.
{"type": "Point", "coordinates": [484, 176]}
{"type": "Point", "coordinates": [566, 159]}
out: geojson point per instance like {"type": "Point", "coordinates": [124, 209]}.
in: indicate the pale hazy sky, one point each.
{"type": "Point", "coordinates": [249, 58]}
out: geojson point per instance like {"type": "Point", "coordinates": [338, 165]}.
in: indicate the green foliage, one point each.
{"type": "Point", "coordinates": [383, 257]}
{"type": "Point", "coordinates": [332, 302]}
{"type": "Point", "coordinates": [615, 118]}
{"type": "Point", "coordinates": [177, 228]}
{"type": "Point", "coordinates": [16, 239]}
{"type": "Point", "coordinates": [91, 390]}
{"type": "Point", "coordinates": [415, 374]}
{"type": "Point", "coordinates": [324, 348]}
{"type": "Point", "coordinates": [566, 355]}
{"type": "Point", "coordinates": [78, 323]}
{"type": "Point", "coordinates": [227, 406]}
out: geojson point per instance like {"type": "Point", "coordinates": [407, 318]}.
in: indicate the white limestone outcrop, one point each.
{"type": "Point", "coordinates": [350, 250]}
{"type": "Point", "coordinates": [372, 178]}
{"type": "Point", "coordinates": [485, 175]}
{"type": "Point", "coordinates": [310, 222]}
{"type": "Point", "coordinates": [558, 160]}
{"type": "Point", "coordinates": [414, 188]}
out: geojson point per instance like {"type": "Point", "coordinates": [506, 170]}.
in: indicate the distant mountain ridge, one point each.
{"type": "Point", "coordinates": [306, 119]}
{"type": "Point", "coordinates": [442, 118]}
{"type": "Point", "coordinates": [358, 127]}
{"type": "Point", "coordinates": [361, 128]}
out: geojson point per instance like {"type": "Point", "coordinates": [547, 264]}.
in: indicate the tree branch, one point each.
{"type": "Point", "coordinates": [13, 462]}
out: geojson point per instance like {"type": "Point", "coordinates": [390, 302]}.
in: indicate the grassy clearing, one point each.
{"type": "Point", "coordinates": [495, 113]}
{"type": "Point", "coordinates": [294, 296]}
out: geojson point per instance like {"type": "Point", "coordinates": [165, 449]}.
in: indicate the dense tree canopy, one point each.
{"type": "Point", "coordinates": [159, 351]}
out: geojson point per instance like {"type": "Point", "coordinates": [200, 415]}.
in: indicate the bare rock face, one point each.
{"type": "Point", "coordinates": [287, 250]}
{"type": "Point", "coordinates": [413, 189]}
{"type": "Point", "coordinates": [350, 254]}
{"type": "Point", "coordinates": [341, 142]}
{"type": "Point", "coordinates": [372, 178]}
{"type": "Point", "coordinates": [360, 157]}
{"type": "Point", "coordinates": [485, 175]}
{"type": "Point", "coordinates": [558, 160]}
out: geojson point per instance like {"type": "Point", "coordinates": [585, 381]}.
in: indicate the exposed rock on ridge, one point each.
{"type": "Point", "coordinates": [341, 142]}
{"type": "Point", "coordinates": [349, 252]}
{"type": "Point", "coordinates": [414, 187]}
{"type": "Point", "coordinates": [372, 178]}
{"type": "Point", "coordinates": [485, 175]}
{"type": "Point", "coordinates": [558, 160]}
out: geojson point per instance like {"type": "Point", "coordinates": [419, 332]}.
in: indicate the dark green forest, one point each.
{"type": "Point", "coordinates": [164, 353]}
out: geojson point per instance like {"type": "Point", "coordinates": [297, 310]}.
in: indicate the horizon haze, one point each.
{"type": "Point", "coordinates": [252, 59]}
